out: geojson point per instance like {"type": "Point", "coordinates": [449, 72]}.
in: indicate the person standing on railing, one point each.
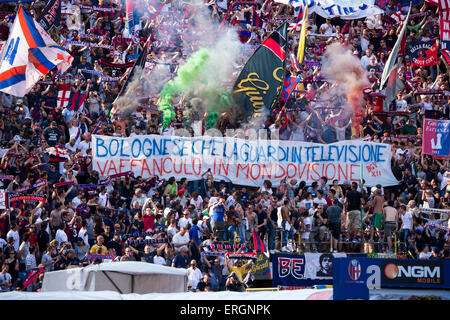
{"type": "Point", "coordinates": [390, 218]}
{"type": "Point", "coordinates": [407, 225]}
{"type": "Point", "coordinates": [335, 214]}
{"type": "Point", "coordinates": [353, 202]}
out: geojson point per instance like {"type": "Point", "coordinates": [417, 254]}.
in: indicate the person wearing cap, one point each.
{"type": "Point", "coordinates": [22, 109]}
{"type": "Point", "coordinates": [181, 197]}
{"type": "Point", "coordinates": [205, 228]}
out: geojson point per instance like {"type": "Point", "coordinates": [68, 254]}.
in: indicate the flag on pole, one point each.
{"type": "Point", "coordinates": [302, 41]}
{"type": "Point", "coordinates": [29, 54]}
{"type": "Point", "coordinates": [391, 62]}
{"type": "Point", "coordinates": [76, 101]}
{"type": "Point", "coordinates": [389, 79]}
{"type": "Point", "coordinates": [361, 182]}
{"type": "Point", "coordinates": [297, 23]}
{"type": "Point", "coordinates": [394, 85]}
{"type": "Point", "coordinates": [57, 154]}
{"type": "Point", "coordinates": [32, 276]}
{"type": "Point", "coordinates": [132, 20]}
{"type": "Point", "coordinates": [446, 55]}
{"type": "Point", "coordinates": [259, 84]}
{"type": "Point", "coordinates": [63, 95]}
{"type": "Point", "coordinates": [288, 87]}
{"type": "Point", "coordinates": [294, 62]}
{"type": "Point", "coordinates": [140, 62]}
{"type": "Point", "coordinates": [129, 19]}
{"type": "Point", "coordinates": [258, 244]}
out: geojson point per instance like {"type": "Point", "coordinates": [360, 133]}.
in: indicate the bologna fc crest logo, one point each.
{"type": "Point", "coordinates": [354, 269]}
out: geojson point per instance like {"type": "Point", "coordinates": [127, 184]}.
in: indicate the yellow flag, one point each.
{"type": "Point", "coordinates": [302, 41]}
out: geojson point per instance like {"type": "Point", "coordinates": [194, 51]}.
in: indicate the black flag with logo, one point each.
{"type": "Point", "coordinates": [50, 15]}
{"type": "Point", "coordinates": [260, 82]}
{"type": "Point", "coordinates": [140, 62]}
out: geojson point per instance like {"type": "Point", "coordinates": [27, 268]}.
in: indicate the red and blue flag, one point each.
{"type": "Point", "coordinates": [258, 244]}
{"type": "Point", "coordinates": [288, 87]}
{"type": "Point", "coordinates": [76, 101]}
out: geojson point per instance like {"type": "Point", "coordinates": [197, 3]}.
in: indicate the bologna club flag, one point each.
{"type": "Point", "coordinates": [423, 53]}
{"type": "Point", "coordinates": [28, 55]}
{"type": "Point", "coordinates": [259, 84]}
{"type": "Point", "coordinates": [436, 138]}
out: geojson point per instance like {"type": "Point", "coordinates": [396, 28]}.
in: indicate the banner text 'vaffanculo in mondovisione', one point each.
{"type": "Point", "coordinates": [241, 161]}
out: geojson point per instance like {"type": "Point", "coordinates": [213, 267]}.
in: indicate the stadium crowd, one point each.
{"type": "Point", "coordinates": [163, 221]}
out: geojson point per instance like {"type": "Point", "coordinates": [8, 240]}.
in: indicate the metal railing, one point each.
{"type": "Point", "coordinates": [398, 246]}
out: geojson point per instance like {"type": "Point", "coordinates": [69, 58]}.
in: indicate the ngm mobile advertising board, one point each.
{"type": "Point", "coordinates": [354, 277]}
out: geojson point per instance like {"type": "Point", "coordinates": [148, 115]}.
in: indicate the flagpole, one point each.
{"type": "Point", "coordinates": [302, 39]}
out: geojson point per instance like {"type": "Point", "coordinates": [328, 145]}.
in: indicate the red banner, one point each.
{"type": "Point", "coordinates": [444, 23]}
{"type": "Point", "coordinates": [423, 54]}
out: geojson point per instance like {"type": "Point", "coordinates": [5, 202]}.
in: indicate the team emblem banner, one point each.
{"type": "Point", "coordinates": [444, 23]}
{"type": "Point", "coordinates": [423, 53]}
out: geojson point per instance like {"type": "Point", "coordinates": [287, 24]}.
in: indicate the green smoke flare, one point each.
{"type": "Point", "coordinates": [185, 79]}
{"type": "Point", "coordinates": [211, 120]}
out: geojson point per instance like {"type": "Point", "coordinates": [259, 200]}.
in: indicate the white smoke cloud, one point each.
{"type": "Point", "coordinates": [224, 48]}
{"type": "Point", "coordinates": [344, 71]}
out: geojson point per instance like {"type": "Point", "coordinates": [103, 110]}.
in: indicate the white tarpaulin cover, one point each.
{"type": "Point", "coordinates": [122, 277]}
{"type": "Point", "coordinates": [305, 294]}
